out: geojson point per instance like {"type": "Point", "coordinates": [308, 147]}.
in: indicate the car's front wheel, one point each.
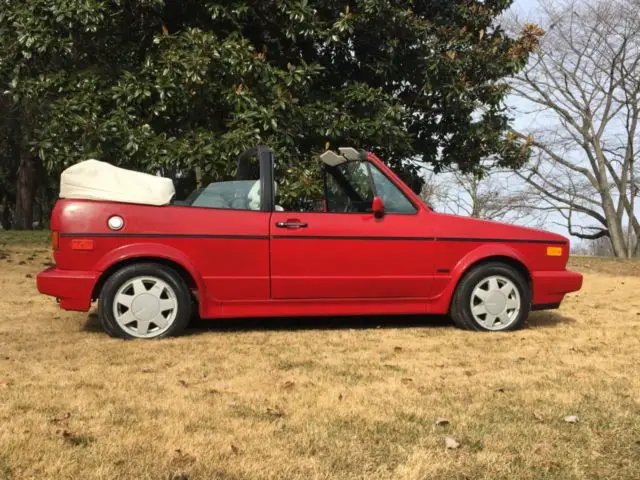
{"type": "Point", "coordinates": [491, 297]}
{"type": "Point", "coordinates": [144, 301]}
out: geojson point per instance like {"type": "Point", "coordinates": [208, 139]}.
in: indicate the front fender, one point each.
{"type": "Point", "coordinates": [482, 252]}
{"type": "Point", "coordinates": [151, 250]}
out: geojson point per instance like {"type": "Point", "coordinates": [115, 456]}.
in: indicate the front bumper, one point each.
{"type": "Point", "coordinates": [549, 288]}
{"type": "Point", "coordinates": [73, 289]}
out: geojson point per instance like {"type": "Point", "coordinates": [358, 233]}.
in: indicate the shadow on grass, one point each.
{"type": "Point", "coordinates": [546, 319]}
{"type": "Point", "coordinates": [92, 324]}
{"type": "Point", "coordinates": [543, 319]}
{"type": "Point", "coordinates": [319, 323]}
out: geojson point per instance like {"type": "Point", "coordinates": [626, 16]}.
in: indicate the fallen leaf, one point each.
{"type": "Point", "coordinates": [407, 381]}
{"type": "Point", "coordinates": [451, 443]}
{"type": "Point", "coordinates": [500, 389]}
{"type": "Point", "coordinates": [182, 458]}
{"type": "Point", "coordinates": [62, 418]}
{"type": "Point", "coordinates": [288, 384]}
{"type": "Point", "coordinates": [148, 370]}
{"type": "Point", "coordinates": [571, 419]}
{"type": "Point", "coordinates": [274, 412]}
{"type": "Point", "coordinates": [6, 383]}
{"type": "Point", "coordinates": [340, 397]}
{"type": "Point", "coordinates": [518, 359]}
{"type": "Point", "coordinates": [234, 449]}
{"type": "Point", "coordinates": [22, 262]}
{"type": "Point", "coordinates": [183, 383]}
{"type": "Point", "coordinates": [28, 275]}
{"type": "Point", "coordinates": [213, 391]}
{"type": "Point", "coordinates": [538, 417]}
{"type": "Point", "coordinates": [397, 349]}
{"type": "Point", "coordinates": [279, 426]}
{"type": "Point", "coordinates": [75, 439]}
{"type": "Point", "coordinates": [442, 421]}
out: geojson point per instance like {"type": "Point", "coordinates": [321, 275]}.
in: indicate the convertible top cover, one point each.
{"type": "Point", "coordinates": [95, 180]}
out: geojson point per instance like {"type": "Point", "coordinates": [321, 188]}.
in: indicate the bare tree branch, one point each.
{"type": "Point", "coordinates": [587, 77]}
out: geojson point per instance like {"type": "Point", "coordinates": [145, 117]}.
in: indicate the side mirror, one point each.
{"type": "Point", "coordinates": [377, 207]}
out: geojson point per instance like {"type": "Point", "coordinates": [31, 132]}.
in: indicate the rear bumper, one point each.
{"type": "Point", "coordinates": [72, 288]}
{"type": "Point", "coordinates": [549, 288]}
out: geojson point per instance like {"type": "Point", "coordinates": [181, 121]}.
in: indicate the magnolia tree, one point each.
{"type": "Point", "coordinates": [164, 85]}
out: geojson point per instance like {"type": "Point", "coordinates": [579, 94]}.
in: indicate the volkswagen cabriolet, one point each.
{"type": "Point", "coordinates": [239, 247]}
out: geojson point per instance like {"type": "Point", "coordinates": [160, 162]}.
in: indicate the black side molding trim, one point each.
{"type": "Point", "coordinates": [350, 237]}
{"type": "Point", "coordinates": [422, 239]}
{"type": "Point", "coordinates": [310, 237]}
{"type": "Point", "coordinates": [500, 240]}
{"type": "Point", "coordinates": [164, 235]}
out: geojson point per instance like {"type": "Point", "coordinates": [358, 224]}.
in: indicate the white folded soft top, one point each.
{"type": "Point", "coordinates": [95, 180]}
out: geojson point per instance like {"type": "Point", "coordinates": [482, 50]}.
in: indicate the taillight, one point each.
{"type": "Point", "coordinates": [55, 239]}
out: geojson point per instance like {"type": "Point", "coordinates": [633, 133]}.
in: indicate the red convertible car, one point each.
{"type": "Point", "coordinates": [245, 246]}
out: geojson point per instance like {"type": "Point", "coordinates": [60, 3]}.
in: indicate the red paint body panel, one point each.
{"type": "Point", "coordinates": [243, 264]}
{"type": "Point", "coordinates": [350, 255]}
{"type": "Point", "coordinates": [73, 288]}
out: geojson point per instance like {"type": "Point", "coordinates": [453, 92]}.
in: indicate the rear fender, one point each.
{"type": "Point", "coordinates": [150, 251]}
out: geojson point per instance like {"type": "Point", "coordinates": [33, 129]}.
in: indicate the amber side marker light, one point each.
{"type": "Point", "coordinates": [81, 244]}
{"type": "Point", "coordinates": [55, 240]}
{"type": "Point", "coordinates": [554, 251]}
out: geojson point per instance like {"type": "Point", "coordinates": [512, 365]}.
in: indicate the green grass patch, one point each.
{"type": "Point", "coordinates": [25, 237]}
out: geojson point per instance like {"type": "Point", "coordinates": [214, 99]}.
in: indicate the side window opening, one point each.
{"type": "Point", "coordinates": [345, 188]}
{"type": "Point", "coordinates": [349, 188]}
{"type": "Point", "coordinates": [237, 191]}
{"type": "Point", "coordinates": [394, 200]}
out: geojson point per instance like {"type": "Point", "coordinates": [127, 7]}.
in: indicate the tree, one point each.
{"type": "Point", "coordinates": [584, 85]}
{"type": "Point", "coordinates": [174, 85]}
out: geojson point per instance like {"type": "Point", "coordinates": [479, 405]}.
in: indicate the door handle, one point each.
{"type": "Point", "coordinates": [293, 224]}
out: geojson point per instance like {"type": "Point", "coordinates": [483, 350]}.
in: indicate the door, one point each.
{"type": "Point", "coordinates": [341, 250]}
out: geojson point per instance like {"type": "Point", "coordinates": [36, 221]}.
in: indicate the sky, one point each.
{"type": "Point", "coordinates": [525, 7]}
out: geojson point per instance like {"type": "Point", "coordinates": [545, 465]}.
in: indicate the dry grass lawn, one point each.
{"type": "Point", "coordinates": [320, 399]}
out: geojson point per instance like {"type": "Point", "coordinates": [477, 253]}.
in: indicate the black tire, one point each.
{"type": "Point", "coordinates": [460, 310]}
{"type": "Point", "coordinates": [162, 272]}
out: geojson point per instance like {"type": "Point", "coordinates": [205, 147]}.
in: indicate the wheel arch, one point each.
{"type": "Point", "coordinates": [510, 261]}
{"type": "Point", "coordinates": [175, 266]}
{"type": "Point", "coordinates": [488, 254]}
{"type": "Point", "coordinates": [152, 253]}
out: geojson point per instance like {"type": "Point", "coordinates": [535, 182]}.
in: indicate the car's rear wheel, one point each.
{"type": "Point", "coordinates": [145, 301]}
{"type": "Point", "coordinates": [491, 297]}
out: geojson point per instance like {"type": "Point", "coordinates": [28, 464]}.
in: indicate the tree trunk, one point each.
{"type": "Point", "coordinates": [632, 239]}
{"type": "Point", "coordinates": [6, 214]}
{"type": "Point", "coordinates": [25, 192]}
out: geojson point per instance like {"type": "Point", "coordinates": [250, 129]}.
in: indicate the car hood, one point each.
{"type": "Point", "coordinates": [467, 227]}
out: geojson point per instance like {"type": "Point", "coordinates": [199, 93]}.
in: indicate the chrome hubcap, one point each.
{"type": "Point", "coordinates": [145, 307]}
{"type": "Point", "coordinates": [495, 302]}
